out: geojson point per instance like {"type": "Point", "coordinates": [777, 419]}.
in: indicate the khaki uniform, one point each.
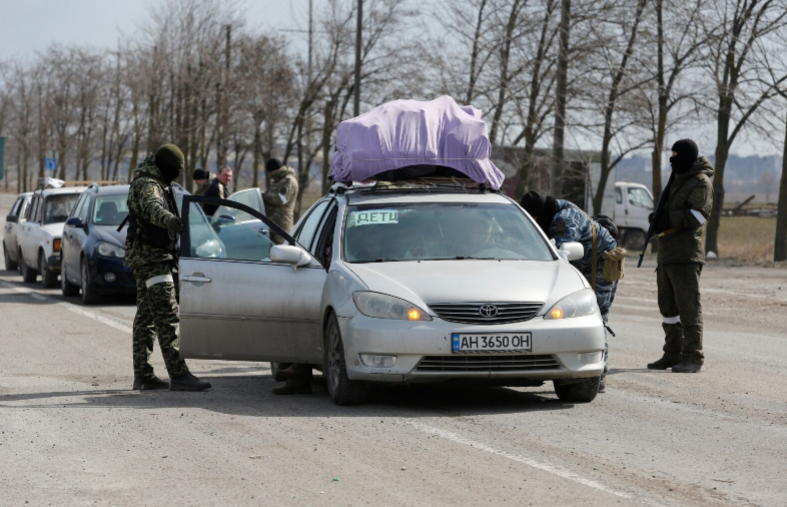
{"type": "Point", "coordinates": [680, 262]}
{"type": "Point", "coordinates": [280, 200]}
{"type": "Point", "coordinates": [153, 263]}
{"type": "Point", "coordinates": [203, 188]}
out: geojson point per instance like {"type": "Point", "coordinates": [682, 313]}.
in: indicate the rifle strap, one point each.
{"type": "Point", "coordinates": [594, 260]}
{"type": "Point", "coordinates": [123, 223]}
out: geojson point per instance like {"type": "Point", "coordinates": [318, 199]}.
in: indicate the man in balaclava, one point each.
{"type": "Point", "coordinates": [680, 258]}
{"type": "Point", "coordinates": [151, 251]}
{"type": "Point", "coordinates": [564, 222]}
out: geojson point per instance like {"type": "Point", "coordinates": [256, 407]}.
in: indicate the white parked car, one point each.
{"type": "Point", "coordinates": [12, 221]}
{"type": "Point", "coordinates": [39, 237]}
{"type": "Point", "coordinates": [392, 285]}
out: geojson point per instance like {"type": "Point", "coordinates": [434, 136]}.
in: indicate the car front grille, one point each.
{"type": "Point", "coordinates": [479, 313]}
{"type": "Point", "coordinates": [481, 364]}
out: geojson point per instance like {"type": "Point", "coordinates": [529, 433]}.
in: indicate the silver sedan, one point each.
{"type": "Point", "coordinates": [394, 286]}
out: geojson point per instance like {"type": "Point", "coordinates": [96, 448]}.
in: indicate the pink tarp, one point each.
{"type": "Point", "coordinates": [404, 133]}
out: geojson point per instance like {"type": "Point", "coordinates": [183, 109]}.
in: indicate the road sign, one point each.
{"type": "Point", "coordinates": [2, 151]}
{"type": "Point", "coordinates": [50, 164]}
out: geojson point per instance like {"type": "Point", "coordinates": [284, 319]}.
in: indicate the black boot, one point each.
{"type": "Point", "coordinates": [149, 383]}
{"type": "Point", "coordinates": [294, 372]}
{"type": "Point", "coordinates": [293, 387]}
{"type": "Point", "coordinates": [187, 382]}
{"type": "Point", "coordinates": [663, 364]}
{"type": "Point", "coordinates": [687, 367]}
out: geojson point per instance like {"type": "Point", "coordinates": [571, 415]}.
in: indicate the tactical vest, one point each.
{"type": "Point", "coordinates": [150, 234]}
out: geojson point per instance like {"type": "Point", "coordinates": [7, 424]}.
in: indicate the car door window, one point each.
{"type": "Point", "coordinates": [35, 216]}
{"type": "Point", "coordinates": [639, 197]}
{"type": "Point", "coordinates": [308, 229]}
{"type": "Point", "coordinates": [209, 237]}
{"type": "Point", "coordinates": [15, 208]}
{"type": "Point", "coordinates": [78, 206]}
{"type": "Point", "coordinates": [24, 207]}
{"type": "Point", "coordinates": [323, 246]}
{"type": "Point", "coordinates": [246, 197]}
{"type": "Point", "coordinates": [618, 196]}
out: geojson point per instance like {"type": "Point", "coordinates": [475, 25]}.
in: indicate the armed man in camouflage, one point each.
{"type": "Point", "coordinates": [151, 251]}
{"type": "Point", "coordinates": [563, 221]}
{"type": "Point", "coordinates": [680, 258]}
{"type": "Point", "coordinates": [280, 196]}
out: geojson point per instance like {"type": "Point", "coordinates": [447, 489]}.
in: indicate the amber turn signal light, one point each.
{"type": "Point", "coordinates": [414, 314]}
{"type": "Point", "coordinates": [56, 245]}
{"type": "Point", "coordinates": [557, 313]}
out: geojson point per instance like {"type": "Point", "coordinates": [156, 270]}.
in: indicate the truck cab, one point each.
{"type": "Point", "coordinates": [633, 204]}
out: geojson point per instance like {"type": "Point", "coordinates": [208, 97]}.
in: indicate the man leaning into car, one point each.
{"type": "Point", "coordinates": [151, 251]}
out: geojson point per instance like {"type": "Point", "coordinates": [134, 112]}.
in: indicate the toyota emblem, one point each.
{"type": "Point", "coordinates": [488, 311]}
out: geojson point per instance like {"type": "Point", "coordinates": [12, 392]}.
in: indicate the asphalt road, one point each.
{"type": "Point", "coordinates": [73, 433]}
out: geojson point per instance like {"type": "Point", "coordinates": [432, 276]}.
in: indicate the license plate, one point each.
{"type": "Point", "coordinates": [493, 342]}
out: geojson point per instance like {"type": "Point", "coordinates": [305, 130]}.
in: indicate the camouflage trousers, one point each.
{"type": "Point", "coordinates": [680, 306]}
{"type": "Point", "coordinates": [157, 315]}
{"type": "Point", "coordinates": [605, 295]}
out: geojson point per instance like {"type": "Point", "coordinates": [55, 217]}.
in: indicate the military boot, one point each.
{"type": "Point", "coordinates": [187, 382]}
{"type": "Point", "coordinates": [687, 367]}
{"type": "Point", "coordinates": [294, 372]}
{"type": "Point", "coordinates": [293, 387]}
{"type": "Point", "coordinates": [663, 364]}
{"type": "Point", "coordinates": [149, 383]}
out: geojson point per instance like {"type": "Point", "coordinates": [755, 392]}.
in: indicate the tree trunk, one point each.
{"type": "Point", "coordinates": [326, 145]}
{"type": "Point", "coordinates": [780, 248]}
{"type": "Point", "coordinates": [474, 53]}
{"type": "Point", "coordinates": [722, 152]}
{"type": "Point", "coordinates": [556, 188]}
{"type": "Point", "coordinates": [505, 54]}
{"type": "Point", "coordinates": [255, 180]}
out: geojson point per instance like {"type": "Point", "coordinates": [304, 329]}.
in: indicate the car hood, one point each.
{"type": "Point", "coordinates": [463, 281]}
{"type": "Point", "coordinates": [110, 234]}
{"type": "Point", "coordinates": [55, 230]}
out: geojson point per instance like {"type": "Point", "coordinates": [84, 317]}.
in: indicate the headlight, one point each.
{"type": "Point", "coordinates": [110, 250]}
{"type": "Point", "coordinates": [578, 304]}
{"type": "Point", "coordinates": [383, 306]}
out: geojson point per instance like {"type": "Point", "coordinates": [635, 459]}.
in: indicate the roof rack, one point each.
{"type": "Point", "coordinates": [101, 183]}
{"type": "Point", "coordinates": [418, 185]}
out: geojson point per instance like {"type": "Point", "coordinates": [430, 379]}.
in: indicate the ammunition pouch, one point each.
{"type": "Point", "coordinates": [614, 262]}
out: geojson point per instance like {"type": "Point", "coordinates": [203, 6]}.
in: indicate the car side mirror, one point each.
{"type": "Point", "coordinates": [571, 251]}
{"type": "Point", "coordinates": [75, 222]}
{"type": "Point", "coordinates": [289, 254]}
{"type": "Point", "coordinates": [12, 219]}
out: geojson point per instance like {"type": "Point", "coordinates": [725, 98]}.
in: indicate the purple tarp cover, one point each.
{"type": "Point", "coordinates": [404, 133]}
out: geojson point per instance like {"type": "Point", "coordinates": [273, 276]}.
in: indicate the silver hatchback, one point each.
{"type": "Point", "coordinates": [393, 285]}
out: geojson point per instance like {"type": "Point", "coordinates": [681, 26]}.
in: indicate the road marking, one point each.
{"type": "Point", "coordinates": [540, 465]}
{"type": "Point", "coordinates": [71, 308]}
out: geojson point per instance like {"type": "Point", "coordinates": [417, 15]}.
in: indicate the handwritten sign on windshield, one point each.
{"type": "Point", "coordinates": [374, 217]}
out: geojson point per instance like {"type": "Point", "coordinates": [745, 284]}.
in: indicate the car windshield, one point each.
{"type": "Point", "coordinates": [58, 207]}
{"type": "Point", "coordinates": [110, 209]}
{"type": "Point", "coordinates": [417, 232]}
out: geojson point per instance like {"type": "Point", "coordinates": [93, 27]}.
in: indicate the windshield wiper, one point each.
{"type": "Point", "coordinates": [470, 257]}
{"type": "Point", "coordinates": [386, 259]}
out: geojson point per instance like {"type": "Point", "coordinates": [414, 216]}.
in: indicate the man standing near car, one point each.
{"type": "Point", "coordinates": [563, 221]}
{"type": "Point", "coordinates": [201, 178]}
{"type": "Point", "coordinates": [680, 258]}
{"type": "Point", "coordinates": [151, 252]}
{"type": "Point", "coordinates": [280, 197]}
{"type": "Point", "coordinates": [218, 187]}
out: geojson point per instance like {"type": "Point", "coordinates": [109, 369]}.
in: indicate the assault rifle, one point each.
{"type": "Point", "coordinates": [659, 211]}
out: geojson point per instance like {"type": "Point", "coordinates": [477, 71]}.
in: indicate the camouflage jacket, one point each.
{"type": "Point", "coordinates": [689, 205]}
{"type": "Point", "coordinates": [573, 224]}
{"type": "Point", "coordinates": [280, 197]}
{"type": "Point", "coordinates": [147, 199]}
{"type": "Point", "coordinates": [203, 188]}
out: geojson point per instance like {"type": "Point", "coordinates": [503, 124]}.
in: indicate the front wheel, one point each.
{"type": "Point", "coordinates": [89, 295]}
{"type": "Point", "coordinates": [29, 275]}
{"type": "Point", "coordinates": [69, 289]}
{"type": "Point", "coordinates": [342, 390]}
{"type": "Point", "coordinates": [9, 264]}
{"type": "Point", "coordinates": [48, 277]}
{"type": "Point", "coordinates": [583, 391]}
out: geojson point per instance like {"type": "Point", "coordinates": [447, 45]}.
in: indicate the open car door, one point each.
{"type": "Point", "coordinates": [241, 296]}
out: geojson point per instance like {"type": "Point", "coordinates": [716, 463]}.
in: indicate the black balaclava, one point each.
{"type": "Point", "coordinates": [687, 153]}
{"type": "Point", "coordinates": [542, 208]}
{"type": "Point", "coordinates": [273, 164]}
{"type": "Point", "coordinates": [170, 160]}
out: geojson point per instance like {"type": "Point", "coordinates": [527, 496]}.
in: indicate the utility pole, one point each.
{"type": "Point", "coordinates": [560, 114]}
{"type": "Point", "coordinates": [358, 41]}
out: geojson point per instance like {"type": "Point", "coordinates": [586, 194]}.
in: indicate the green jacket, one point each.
{"type": "Point", "coordinates": [203, 188]}
{"type": "Point", "coordinates": [280, 198]}
{"type": "Point", "coordinates": [689, 206]}
{"type": "Point", "coordinates": [147, 199]}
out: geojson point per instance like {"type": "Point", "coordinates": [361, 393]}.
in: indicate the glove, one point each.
{"type": "Point", "coordinates": [662, 224]}
{"type": "Point", "coordinates": [650, 217]}
{"type": "Point", "coordinates": [175, 225]}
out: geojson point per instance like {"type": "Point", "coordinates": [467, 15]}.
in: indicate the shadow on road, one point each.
{"type": "Point", "coordinates": [250, 395]}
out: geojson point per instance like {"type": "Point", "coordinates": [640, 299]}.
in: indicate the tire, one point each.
{"type": "Point", "coordinates": [48, 277]}
{"type": "Point", "coordinates": [89, 295]}
{"type": "Point", "coordinates": [633, 239]}
{"type": "Point", "coordinates": [341, 389]}
{"type": "Point", "coordinates": [29, 275]}
{"type": "Point", "coordinates": [584, 391]}
{"type": "Point", "coordinates": [278, 366]}
{"type": "Point", "coordinates": [69, 289]}
{"type": "Point", "coordinates": [9, 264]}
